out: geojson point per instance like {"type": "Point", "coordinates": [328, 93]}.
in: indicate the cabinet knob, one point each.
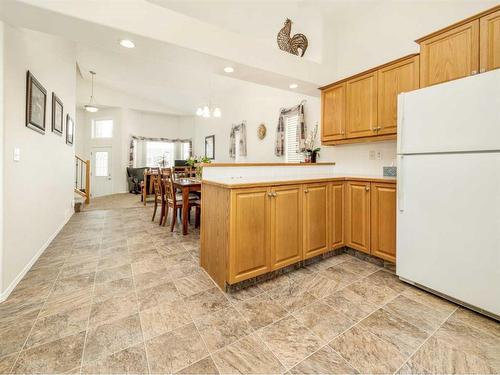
{"type": "Point", "coordinates": [306, 191]}
{"type": "Point", "coordinates": [367, 188]}
{"type": "Point", "coordinates": [474, 72]}
{"type": "Point", "coordinates": [269, 194]}
{"type": "Point", "coordinates": [275, 195]}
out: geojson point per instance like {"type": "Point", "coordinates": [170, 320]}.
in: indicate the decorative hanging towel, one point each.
{"type": "Point", "coordinates": [242, 131]}
{"type": "Point", "coordinates": [279, 149]}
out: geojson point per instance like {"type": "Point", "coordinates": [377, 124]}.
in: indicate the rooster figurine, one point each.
{"type": "Point", "coordinates": [291, 44]}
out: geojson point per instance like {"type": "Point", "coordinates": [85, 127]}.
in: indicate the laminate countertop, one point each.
{"type": "Point", "coordinates": [251, 181]}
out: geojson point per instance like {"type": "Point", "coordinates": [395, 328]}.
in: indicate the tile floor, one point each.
{"type": "Point", "coordinates": [116, 293]}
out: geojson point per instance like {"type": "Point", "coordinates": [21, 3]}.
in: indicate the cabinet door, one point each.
{"type": "Point", "coordinates": [357, 218]}
{"type": "Point", "coordinates": [333, 113]}
{"type": "Point", "coordinates": [286, 226]}
{"type": "Point", "coordinates": [316, 218]}
{"type": "Point", "coordinates": [393, 80]}
{"type": "Point", "coordinates": [336, 215]}
{"type": "Point", "coordinates": [490, 41]}
{"type": "Point", "coordinates": [383, 221]}
{"type": "Point", "coordinates": [450, 55]}
{"type": "Point", "coordinates": [249, 236]}
{"type": "Point", "coordinates": [361, 106]}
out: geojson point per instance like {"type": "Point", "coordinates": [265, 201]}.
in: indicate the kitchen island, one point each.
{"type": "Point", "coordinates": [258, 219]}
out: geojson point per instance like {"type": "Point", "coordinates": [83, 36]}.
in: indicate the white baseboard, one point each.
{"type": "Point", "coordinates": [5, 294]}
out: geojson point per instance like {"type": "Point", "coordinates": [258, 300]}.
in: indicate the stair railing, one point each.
{"type": "Point", "coordinates": [82, 178]}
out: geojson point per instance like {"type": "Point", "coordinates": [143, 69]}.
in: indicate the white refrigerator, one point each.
{"type": "Point", "coordinates": [448, 209]}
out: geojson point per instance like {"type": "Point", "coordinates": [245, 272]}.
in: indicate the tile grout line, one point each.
{"type": "Point", "coordinates": [91, 305]}
{"type": "Point", "coordinates": [425, 341]}
{"type": "Point", "coordinates": [139, 314]}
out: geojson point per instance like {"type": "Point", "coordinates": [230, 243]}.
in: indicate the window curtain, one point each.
{"type": "Point", "coordinates": [135, 138]}
{"type": "Point", "coordinates": [279, 149]}
{"type": "Point", "coordinates": [242, 130]}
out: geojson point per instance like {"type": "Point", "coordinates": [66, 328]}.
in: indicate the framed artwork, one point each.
{"type": "Point", "coordinates": [210, 147]}
{"type": "Point", "coordinates": [57, 115]}
{"type": "Point", "coordinates": [70, 129]}
{"type": "Point", "coordinates": [36, 100]}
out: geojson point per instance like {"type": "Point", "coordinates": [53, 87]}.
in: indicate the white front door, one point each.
{"type": "Point", "coordinates": [102, 183]}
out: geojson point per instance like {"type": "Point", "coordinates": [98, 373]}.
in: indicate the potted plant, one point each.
{"type": "Point", "coordinates": [196, 163]}
{"type": "Point", "coordinates": [311, 152]}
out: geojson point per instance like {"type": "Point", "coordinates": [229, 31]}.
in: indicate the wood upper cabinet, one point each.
{"type": "Point", "coordinates": [450, 55]}
{"type": "Point", "coordinates": [315, 219]}
{"type": "Point", "coordinates": [357, 215]}
{"type": "Point", "coordinates": [490, 41]}
{"type": "Point", "coordinates": [394, 79]}
{"type": "Point", "coordinates": [383, 221]}
{"type": "Point", "coordinates": [361, 106]}
{"type": "Point", "coordinates": [286, 225]}
{"type": "Point", "coordinates": [249, 237]}
{"type": "Point", "coordinates": [333, 113]}
{"type": "Point", "coordinates": [336, 223]}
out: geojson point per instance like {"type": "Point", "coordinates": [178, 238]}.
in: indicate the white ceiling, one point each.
{"type": "Point", "coordinates": [182, 46]}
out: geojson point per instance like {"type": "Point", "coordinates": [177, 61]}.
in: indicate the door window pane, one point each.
{"type": "Point", "coordinates": [101, 163]}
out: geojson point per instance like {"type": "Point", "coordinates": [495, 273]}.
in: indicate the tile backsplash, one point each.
{"type": "Point", "coordinates": [389, 171]}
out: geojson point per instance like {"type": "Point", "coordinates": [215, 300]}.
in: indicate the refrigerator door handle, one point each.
{"type": "Point", "coordinates": [400, 120]}
{"type": "Point", "coordinates": [400, 185]}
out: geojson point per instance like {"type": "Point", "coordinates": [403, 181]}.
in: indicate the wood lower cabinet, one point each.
{"type": "Point", "coordinates": [286, 225]}
{"type": "Point", "coordinates": [489, 26]}
{"type": "Point", "coordinates": [315, 219]}
{"type": "Point", "coordinates": [361, 106]}
{"type": "Point", "coordinates": [250, 234]}
{"type": "Point", "coordinates": [250, 231]}
{"type": "Point", "coordinates": [383, 221]}
{"type": "Point", "coordinates": [357, 215]}
{"type": "Point", "coordinates": [450, 54]}
{"type": "Point", "coordinates": [333, 113]}
{"type": "Point", "coordinates": [394, 79]}
{"type": "Point", "coordinates": [336, 223]}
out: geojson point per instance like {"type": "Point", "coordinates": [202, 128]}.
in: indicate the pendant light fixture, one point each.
{"type": "Point", "coordinates": [91, 107]}
{"type": "Point", "coordinates": [208, 111]}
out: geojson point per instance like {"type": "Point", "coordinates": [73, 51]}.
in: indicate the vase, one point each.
{"type": "Point", "coordinates": [313, 157]}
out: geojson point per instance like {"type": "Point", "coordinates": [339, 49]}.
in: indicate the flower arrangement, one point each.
{"type": "Point", "coordinates": [311, 152]}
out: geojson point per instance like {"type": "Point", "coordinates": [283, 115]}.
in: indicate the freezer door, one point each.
{"type": "Point", "coordinates": [461, 115]}
{"type": "Point", "coordinates": [448, 225]}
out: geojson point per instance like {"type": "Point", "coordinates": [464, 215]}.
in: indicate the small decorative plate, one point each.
{"type": "Point", "coordinates": [261, 131]}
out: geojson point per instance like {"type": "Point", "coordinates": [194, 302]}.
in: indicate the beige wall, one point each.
{"type": "Point", "coordinates": [38, 190]}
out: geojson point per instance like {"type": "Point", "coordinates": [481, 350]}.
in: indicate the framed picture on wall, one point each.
{"type": "Point", "coordinates": [36, 100]}
{"type": "Point", "coordinates": [70, 129]}
{"type": "Point", "coordinates": [210, 147]}
{"type": "Point", "coordinates": [57, 114]}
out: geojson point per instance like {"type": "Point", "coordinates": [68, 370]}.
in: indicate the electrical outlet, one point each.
{"type": "Point", "coordinates": [371, 155]}
{"type": "Point", "coordinates": [379, 155]}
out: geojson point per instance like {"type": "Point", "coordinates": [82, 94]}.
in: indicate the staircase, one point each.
{"type": "Point", "coordinates": [82, 178]}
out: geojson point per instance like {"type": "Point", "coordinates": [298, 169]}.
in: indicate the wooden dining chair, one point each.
{"type": "Point", "coordinates": [156, 180]}
{"type": "Point", "coordinates": [174, 200]}
{"type": "Point", "coordinates": [183, 172]}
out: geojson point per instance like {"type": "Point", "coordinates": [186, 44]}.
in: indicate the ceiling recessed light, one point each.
{"type": "Point", "coordinates": [293, 86]}
{"type": "Point", "coordinates": [229, 69]}
{"type": "Point", "coordinates": [127, 43]}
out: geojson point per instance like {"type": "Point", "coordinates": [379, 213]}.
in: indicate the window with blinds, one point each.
{"type": "Point", "coordinates": [291, 155]}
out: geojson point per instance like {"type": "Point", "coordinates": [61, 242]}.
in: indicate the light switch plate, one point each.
{"type": "Point", "coordinates": [17, 154]}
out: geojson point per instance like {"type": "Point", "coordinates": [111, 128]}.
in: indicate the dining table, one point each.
{"type": "Point", "coordinates": [186, 186]}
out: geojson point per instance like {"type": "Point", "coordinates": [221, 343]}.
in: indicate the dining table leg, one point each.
{"type": "Point", "coordinates": [185, 209]}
